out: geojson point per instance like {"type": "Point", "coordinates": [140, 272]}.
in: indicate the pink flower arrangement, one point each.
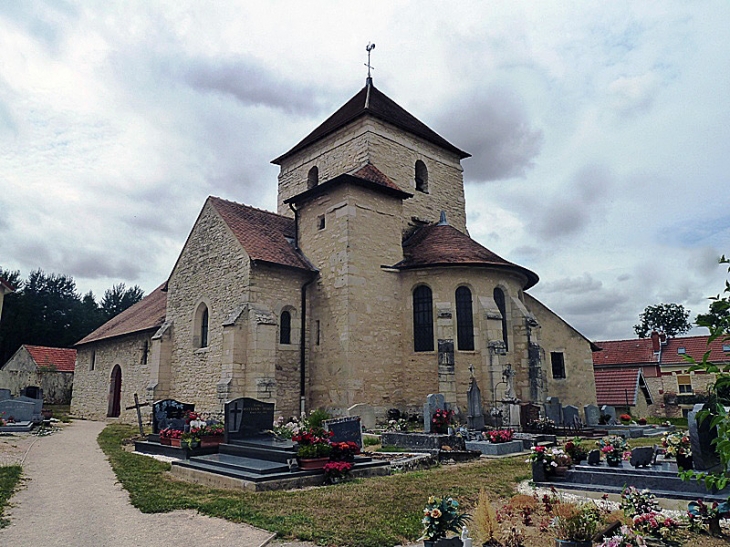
{"type": "Point", "coordinates": [336, 471]}
{"type": "Point", "coordinates": [500, 435]}
{"type": "Point", "coordinates": [441, 420]}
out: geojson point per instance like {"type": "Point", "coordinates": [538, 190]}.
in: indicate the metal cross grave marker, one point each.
{"type": "Point", "coordinates": [138, 405]}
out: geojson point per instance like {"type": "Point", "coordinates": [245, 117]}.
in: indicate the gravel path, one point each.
{"type": "Point", "coordinates": [70, 498]}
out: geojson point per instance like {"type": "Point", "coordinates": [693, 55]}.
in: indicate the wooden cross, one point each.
{"type": "Point", "coordinates": [369, 48]}
{"type": "Point", "coordinates": [138, 405]}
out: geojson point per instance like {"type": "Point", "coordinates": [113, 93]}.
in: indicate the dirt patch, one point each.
{"type": "Point", "coordinates": [14, 447]}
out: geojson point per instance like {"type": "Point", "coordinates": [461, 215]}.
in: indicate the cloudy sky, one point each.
{"type": "Point", "coordinates": [600, 131]}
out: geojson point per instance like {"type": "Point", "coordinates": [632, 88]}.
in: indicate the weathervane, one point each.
{"type": "Point", "coordinates": [369, 48]}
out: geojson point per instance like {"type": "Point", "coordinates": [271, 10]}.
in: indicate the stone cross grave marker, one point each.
{"type": "Point", "coordinates": [169, 413]}
{"type": "Point", "coordinates": [434, 402]}
{"type": "Point", "coordinates": [246, 417]}
{"type": "Point", "coordinates": [475, 418]}
{"type": "Point", "coordinates": [365, 412]}
{"type": "Point", "coordinates": [593, 415]}
{"type": "Point", "coordinates": [571, 416]}
{"type": "Point", "coordinates": [345, 429]}
{"type": "Point", "coordinates": [20, 411]}
{"type": "Point", "coordinates": [608, 410]}
{"type": "Point", "coordinates": [554, 410]}
{"type": "Point", "coordinates": [704, 457]}
{"type": "Point", "coordinates": [529, 412]}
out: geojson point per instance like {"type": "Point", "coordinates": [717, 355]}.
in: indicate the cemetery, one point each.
{"type": "Point", "coordinates": [22, 413]}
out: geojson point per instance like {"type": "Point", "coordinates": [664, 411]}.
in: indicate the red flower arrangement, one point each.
{"type": "Point", "coordinates": [500, 435]}
{"type": "Point", "coordinates": [169, 433]}
{"type": "Point", "coordinates": [441, 420]}
{"type": "Point", "coordinates": [336, 471]}
{"type": "Point", "coordinates": [313, 443]}
{"type": "Point", "coordinates": [344, 451]}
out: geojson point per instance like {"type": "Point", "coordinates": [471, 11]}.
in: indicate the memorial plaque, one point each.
{"type": "Point", "coordinates": [593, 415]}
{"type": "Point", "coordinates": [247, 417]}
{"type": "Point", "coordinates": [642, 456]}
{"type": "Point", "coordinates": [345, 429]}
{"type": "Point", "coordinates": [20, 411]}
{"type": "Point", "coordinates": [594, 457]}
{"type": "Point", "coordinates": [169, 413]}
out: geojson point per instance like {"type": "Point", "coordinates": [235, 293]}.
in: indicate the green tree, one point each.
{"type": "Point", "coordinates": [119, 298]}
{"type": "Point", "coordinates": [718, 317]}
{"type": "Point", "coordinates": [714, 410]}
{"type": "Point", "coordinates": [672, 319]}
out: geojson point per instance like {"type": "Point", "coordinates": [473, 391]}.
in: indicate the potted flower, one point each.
{"type": "Point", "coordinates": [211, 434]}
{"type": "Point", "coordinates": [576, 450]}
{"type": "Point", "coordinates": [175, 436]}
{"type": "Point", "coordinates": [575, 525]}
{"type": "Point", "coordinates": [165, 436]}
{"type": "Point", "coordinates": [540, 458]}
{"type": "Point", "coordinates": [677, 445]}
{"type": "Point", "coordinates": [313, 446]}
{"type": "Point", "coordinates": [191, 439]}
{"type": "Point", "coordinates": [641, 421]}
{"type": "Point", "coordinates": [441, 516]}
{"type": "Point", "coordinates": [441, 420]}
{"type": "Point", "coordinates": [614, 448]}
{"type": "Point", "coordinates": [344, 451]}
{"type": "Point", "coordinates": [499, 435]}
{"type": "Point", "coordinates": [625, 537]}
{"type": "Point", "coordinates": [561, 462]}
{"type": "Point", "coordinates": [336, 471]}
{"type": "Point", "coordinates": [625, 419]}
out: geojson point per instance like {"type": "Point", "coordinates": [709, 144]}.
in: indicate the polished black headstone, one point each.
{"type": "Point", "coordinates": [345, 429]}
{"type": "Point", "coordinates": [247, 417]}
{"type": "Point", "coordinates": [169, 413]}
{"type": "Point", "coordinates": [642, 456]}
{"type": "Point", "coordinates": [594, 457]}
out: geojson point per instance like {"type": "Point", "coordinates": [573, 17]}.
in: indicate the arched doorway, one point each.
{"type": "Point", "coordinates": [115, 392]}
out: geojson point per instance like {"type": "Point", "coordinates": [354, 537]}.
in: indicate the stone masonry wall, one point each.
{"type": "Point", "coordinates": [579, 386]}
{"type": "Point", "coordinates": [214, 269]}
{"type": "Point", "coordinates": [392, 151]}
{"type": "Point", "coordinates": [91, 387]}
{"type": "Point", "coordinates": [21, 371]}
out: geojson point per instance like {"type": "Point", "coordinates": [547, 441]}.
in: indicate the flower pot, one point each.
{"type": "Point", "coordinates": [613, 461]}
{"type": "Point", "coordinates": [561, 470]}
{"type": "Point", "coordinates": [165, 441]}
{"type": "Point", "coordinates": [308, 464]}
{"type": "Point", "coordinates": [684, 461]}
{"type": "Point", "coordinates": [211, 440]}
{"type": "Point", "coordinates": [443, 542]}
{"type": "Point", "coordinates": [175, 442]}
{"type": "Point", "coordinates": [572, 543]}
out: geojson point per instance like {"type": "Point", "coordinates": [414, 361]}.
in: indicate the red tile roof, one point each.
{"type": "Point", "coordinates": [615, 386]}
{"type": "Point", "coordinates": [639, 351]}
{"type": "Point", "coordinates": [443, 245]}
{"type": "Point", "coordinates": [261, 233]}
{"type": "Point", "coordinates": [371, 101]}
{"type": "Point", "coordinates": [371, 173]}
{"type": "Point", "coordinates": [148, 313]}
{"type": "Point", "coordinates": [63, 360]}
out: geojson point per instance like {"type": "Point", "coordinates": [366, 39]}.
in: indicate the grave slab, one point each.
{"type": "Point", "coordinates": [495, 449]}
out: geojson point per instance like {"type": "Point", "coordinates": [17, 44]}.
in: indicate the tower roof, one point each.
{"type": "Point", "coordinates": [371, 101]}
{"type": "Point", "coordinates": [443, 245]}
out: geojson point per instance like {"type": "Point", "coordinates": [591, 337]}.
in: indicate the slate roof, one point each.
{"type": "Point", "coordinates": [262, 234]}
{"type": "Point", "coordinates": [443, 245]}
{"type": "Point", "coordinates": [613, 386]}
{"type": "Point", "coordinates": [371, 101]}
{"type": "Point", "coordinates": [148, 313]}
{"type": "Point", "coordinates": [64, 360]}
{"type": "Point", "coordinates": [639, 351]}
{"type": "Point", "coordinates": [368, 176]}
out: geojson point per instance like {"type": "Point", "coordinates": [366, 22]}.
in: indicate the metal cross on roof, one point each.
{"type": "Point", "coordinates": [369, 48]}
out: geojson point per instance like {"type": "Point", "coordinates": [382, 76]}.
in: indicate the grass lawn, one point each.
{"type": "Point", "coordinates": [375, 512]}
{"type": "Point", "coordinates": [9, 479]}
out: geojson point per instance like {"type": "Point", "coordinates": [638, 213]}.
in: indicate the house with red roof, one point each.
{"type": "Point", "coordinates": [650, 376]}
{"type": "Point", "coordinates": [364, 287]}
{"type": "Point", "coordinates": [51, 369]}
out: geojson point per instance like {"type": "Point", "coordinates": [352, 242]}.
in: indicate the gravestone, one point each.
{"type": "Point", "coordinates": [608, 410]}
{"type": "Point", "coordinates": [345, 429]}
{"type": "Point", "coordinates": [247, 417]}
{"type": "Point", "coordinates": [169, 413]}
{"type": "Point", "coordinates": [37, 406]}
{"type": "Point", "coordinates": [475, 418]}
{"type": "Point", "coordinates": [553, 410]}
{"type": "Point", "coordinates": [704, 456]}
{"type": "Point", "coordinates": [593, 415]}
{"type": "Point", "coordinates": [514, 414]}
{"type": "Point", "coordinates": [642, 456]}
{"type": "Point", "coordinates": [366, 414]}
{"type": "Point", "coordinates": [594, 457]}
{"type": "Point", "coordinates": [571, 416]}
{"type": "Point", "coordinates": [529, 412]}
{"type": "Point", "coordinates": [5, 394]}
{"type": "Point", "coordinates": [434, 402]}
{"type": "Point", "coordinates": [20, 411]}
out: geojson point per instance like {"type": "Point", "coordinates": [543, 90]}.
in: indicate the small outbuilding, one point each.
{"type": "Point", "coordinates": [52, 369]}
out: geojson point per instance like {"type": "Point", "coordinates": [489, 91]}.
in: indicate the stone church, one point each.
{"type": "Point", "coordinates": [363, 287]}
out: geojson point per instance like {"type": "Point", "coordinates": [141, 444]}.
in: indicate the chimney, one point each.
{"type": "Point", "coordinates": [655, 341]}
